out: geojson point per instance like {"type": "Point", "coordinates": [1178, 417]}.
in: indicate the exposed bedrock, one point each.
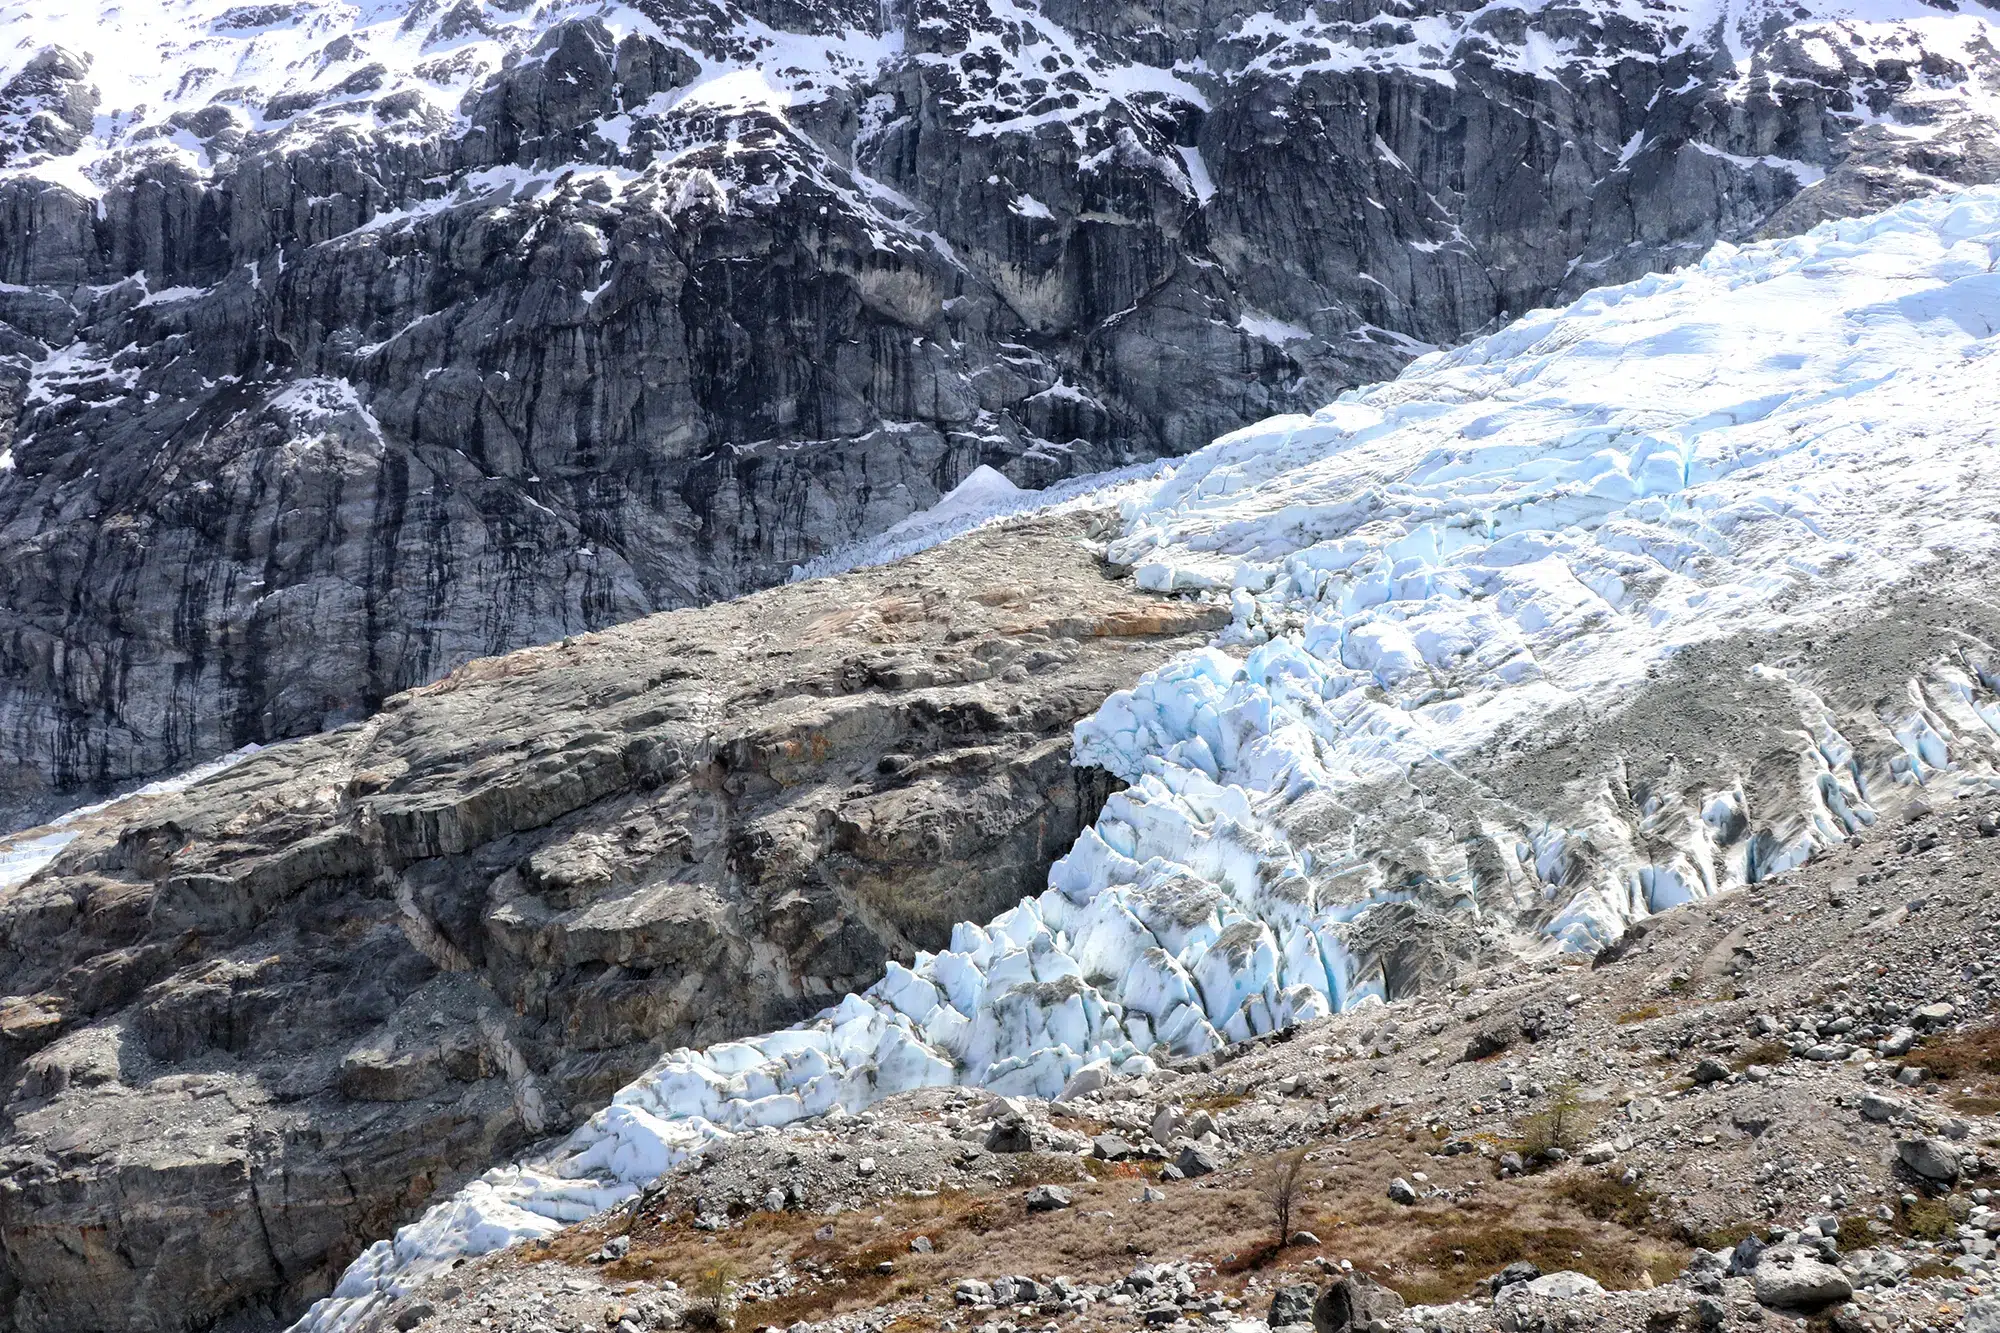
{"type": "Point", "coordinates": [251, 1027]}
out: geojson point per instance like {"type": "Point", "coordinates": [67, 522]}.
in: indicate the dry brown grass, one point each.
{"type": "Point", "coordinates": [1465, 1247]}
{"type": "Point", "coordinates": [1215, 1102]}
{"type": "Point", "coordinates": [1606, 1200]}
{"type": "Point", "coordinates": [1643, 1014]}
{"type": "Point", "coordinates": [1969, 1064]}
{"type": "Point", "coordinates": [1561, 1219]}
{"type": "Point", "coordinates": [1763, 1053]}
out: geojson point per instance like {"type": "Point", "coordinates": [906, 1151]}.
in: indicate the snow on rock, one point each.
{"type": "Point", "coordinates": [25, 852]}
{"type": "Point", "coordinates": [985, 496]}
{"type": "Point", "coordinates": [1468, 605]}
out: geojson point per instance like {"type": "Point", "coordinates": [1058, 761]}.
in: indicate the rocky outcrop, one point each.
{"type": "Point", "coordinates": [451, 334]}
{"type": "Point", "coordinates": [255, 1025]}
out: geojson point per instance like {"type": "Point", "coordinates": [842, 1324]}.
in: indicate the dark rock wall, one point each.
{"type": "Point", "coordinates": [368, 385]}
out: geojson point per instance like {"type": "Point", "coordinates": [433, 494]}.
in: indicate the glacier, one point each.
{"type": "Point", "coordinates": [1623, 605]}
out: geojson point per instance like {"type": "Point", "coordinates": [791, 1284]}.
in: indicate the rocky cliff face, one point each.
{"type": "Point", "coordinates": [341, 346]}
{"type": "Point", "coordinates": [253, 1026]}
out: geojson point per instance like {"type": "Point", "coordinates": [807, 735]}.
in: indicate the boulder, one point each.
{"type": "Point", "coordinates": [1561, 1286]}
{"type": "Point", "coordinates": [1792, 1277]}
{"type": "Point", "coordinates": [1009, 1136]}
{"type": "Point", "coordinates": [1357, 1304]}
{"type": "Point", "coordinates": [1933, 1159]}
{"type": "Point", "coordinates": [1876, 1107]}
{"type": "Point", "coordinates": [1292, 1304]}
{"type": "Point", "coordinates": [1195, 1160]}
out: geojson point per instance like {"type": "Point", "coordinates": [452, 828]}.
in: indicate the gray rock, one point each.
{"type": "Point", "coordinates": [1900, 1041]}
{"type": "Point", "coordinates": [1936, 1014]}
{"type": "Point", "coordinates": [1048, 1198]}
{"type": "Point", "coordinates": [1519, 1271]}
{"type": "Point", "coordinates": [591, 405]}
{"type": "Point", "coordinates": [1402, 1191]}
{"type": "Point", "coordinates": [413, 1315]}
{"type": "Point", "coordinates": [1790, 1277]}
{"type": "Point", "coordinates": [1743, 1259]}
{"type": "Point", "coordinates": [1111, 1147]}
{"type": "Point", "coordinates": [1195, 1160]}
{"type": "Point", "coordinates": [1875, 1267]}
{"type": "Point", "coordinates": [1091, 1078]}
{"type": "Point", "coordinates": [1009, 1136]}
{"type": "Point", "coordinates": [1563, 1286]}
{"type": "Point", "coordinates": [426, 901]}
{"type": "Point", "coordinates": [1876, 1107]}
{"type": "Point", "coordinates": [1933, 1159]}
{"type": "Point", "coordinates": [1982, 1315]}
{"type": "Point", "coordinates": [1711, 1070]}
{"type": "Point", "coordinates": [1357, 1304]}
{"type": "Point", "coordinates": [1291, 1304]}
{"type": "Point", "coordinates": [1596, 1154]}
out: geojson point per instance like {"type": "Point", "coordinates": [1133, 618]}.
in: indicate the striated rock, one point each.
{"type": "Point", "coordinates": [302, 998]}
{"type": "Point", "coordinates": [445, 335]}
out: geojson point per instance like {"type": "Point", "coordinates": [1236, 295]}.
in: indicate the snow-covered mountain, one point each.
{"type": "Point", "coordinates": [342, 342]}
{"type": "Point", "coordinates": [1630, 602]}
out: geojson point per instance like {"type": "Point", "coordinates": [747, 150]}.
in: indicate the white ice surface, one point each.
{"type": "Point", "coordinates": [1528, 523]}
{"type": "Point", "coordinates": [25, 852]}
{"type": "Point", "coordinates": [983, 497]}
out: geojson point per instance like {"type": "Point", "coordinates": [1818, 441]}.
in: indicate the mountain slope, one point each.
{"type": "Point", "coordinates": [1626, 605]}
{"type": "Point", "coordinates": [344, 343]}
{"type": "Point", "coordinates": [305, 996]}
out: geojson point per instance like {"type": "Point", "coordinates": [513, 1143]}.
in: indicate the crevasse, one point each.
{"type": "Point", "coordinates": [1559, 628]}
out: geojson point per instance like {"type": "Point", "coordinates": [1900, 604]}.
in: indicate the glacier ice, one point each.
{"type": "Point", "coordinates": [1559, 628]}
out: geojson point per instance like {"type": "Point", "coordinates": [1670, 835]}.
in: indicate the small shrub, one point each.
{"type": "Point", "coordinates": [712, 1289]}
{"type": "Point", "coordinates": [1928, 1219]}
{"type": "Point", "coordinates": [1763, 1053]}
{"type": "Point", "coordinates": [1561, 1124]}
{"type": "Point", "coordinates": [1855, 1234]}
{"type": "Point", "coordinates": [1283, 1178]}
{"type": "Point", "coordinates": [1644, 1013]}
{"type": "Point", "coordinates": [1606, 1200]}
